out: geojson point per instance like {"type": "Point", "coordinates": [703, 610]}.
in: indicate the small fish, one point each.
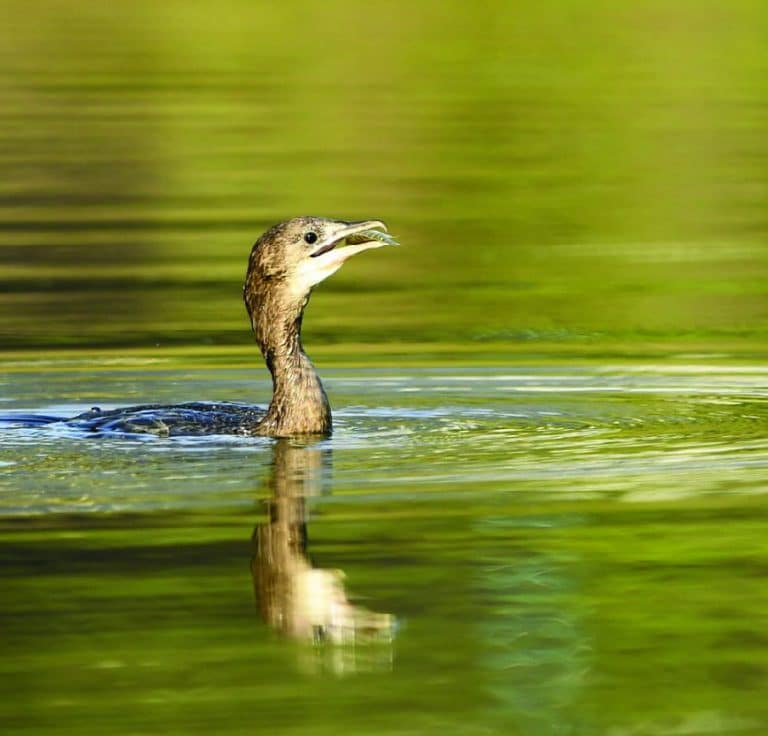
{"type": "Point", "coordinates": [365, 235]}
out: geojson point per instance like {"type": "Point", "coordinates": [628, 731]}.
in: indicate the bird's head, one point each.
{"type": "Point", "coordinates": [292, 257]}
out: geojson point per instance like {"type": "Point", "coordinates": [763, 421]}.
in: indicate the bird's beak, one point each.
{"type": "Point", "coordinates": [343, 230]}
{"type": "Point", "coordinates": [326, 259]}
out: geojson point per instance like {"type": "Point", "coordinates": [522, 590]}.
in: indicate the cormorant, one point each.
{"type": "Point", "coordinates": [286, 262]}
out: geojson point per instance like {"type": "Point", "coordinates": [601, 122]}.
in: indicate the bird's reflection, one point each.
{"type": "Point", "coordinates": [301, 601]}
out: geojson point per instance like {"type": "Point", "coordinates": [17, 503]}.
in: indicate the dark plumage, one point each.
{"type": "Point", "coordinates": [285, 264]}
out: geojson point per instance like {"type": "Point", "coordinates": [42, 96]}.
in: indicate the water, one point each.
{"type": "Point", "coordinates": [546, 485]}
{"type": "Point", "coordinates": [546, 185]}
{"type": "Point", "coordinates": [572, 549]}
{"type": "Point", "coordinates": [596, 430]}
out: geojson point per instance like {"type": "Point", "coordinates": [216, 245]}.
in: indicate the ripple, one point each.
{"type": "Point", "coordinates": [640, 433]}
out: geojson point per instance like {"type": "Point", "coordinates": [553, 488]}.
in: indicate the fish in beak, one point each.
{"type": "Point", "coordinates": [327, 257]}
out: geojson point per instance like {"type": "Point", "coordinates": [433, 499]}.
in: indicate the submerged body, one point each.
{"type": "Point", "coordinates": [285, 264]}
{"type": "Point", "coordinates": [188, 419]}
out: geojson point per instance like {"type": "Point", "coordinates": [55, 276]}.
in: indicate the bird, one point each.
{"type": "Point", "coordinates": [285, 265]}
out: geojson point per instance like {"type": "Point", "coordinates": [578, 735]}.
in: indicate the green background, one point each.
{"type": "Point", "coordinates": [570, 171]}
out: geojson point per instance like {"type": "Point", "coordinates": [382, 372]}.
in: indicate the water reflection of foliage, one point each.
{"type": "Point", "coordinates": [540, 174]}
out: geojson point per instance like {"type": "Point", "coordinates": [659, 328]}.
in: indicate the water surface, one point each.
{"type": "Point", "coordinates": [569, 549]}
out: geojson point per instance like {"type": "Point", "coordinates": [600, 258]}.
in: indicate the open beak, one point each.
{"type": "Point", "coordinates": [353, 232]}
{"type": "Point", "coordinates": [327, 258]}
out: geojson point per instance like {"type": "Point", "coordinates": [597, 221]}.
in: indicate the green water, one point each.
{"type": "Point", "coordinates": [564, 549]}
{"type": "Point", "coordinates": [546, 485]}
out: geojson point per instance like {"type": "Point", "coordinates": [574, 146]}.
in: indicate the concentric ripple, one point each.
{"type": "Point", "coordinates": [641, 432]}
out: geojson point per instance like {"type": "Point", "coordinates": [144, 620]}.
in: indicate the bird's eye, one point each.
{"type": "Point", "coordinates": [310, 237]}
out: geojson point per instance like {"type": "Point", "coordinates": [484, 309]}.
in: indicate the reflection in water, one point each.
{"type": "Point", "coordinates": [300, 601]}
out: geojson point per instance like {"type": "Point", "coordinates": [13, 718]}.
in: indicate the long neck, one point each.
{"type": "Point", "coordinates": [299, 404]}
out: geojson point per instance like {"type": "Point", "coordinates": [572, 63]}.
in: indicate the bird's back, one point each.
{"type": "Point", "coordinates": [188, 419]}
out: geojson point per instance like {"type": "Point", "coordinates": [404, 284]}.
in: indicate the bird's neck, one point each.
{"type": "Point", "coordinates": [299, 404]}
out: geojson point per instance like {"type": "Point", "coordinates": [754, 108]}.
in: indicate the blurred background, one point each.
{"type": "Point", "coordinates": [579, 172]}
